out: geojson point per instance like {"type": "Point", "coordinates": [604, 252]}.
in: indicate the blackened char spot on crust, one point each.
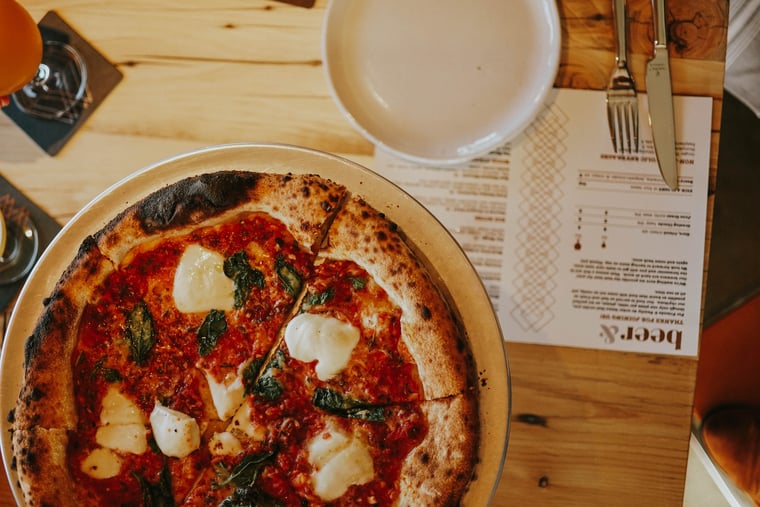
{"type": "Point", "coordinates": [333, 198]}
{"type": "Point", "coordinates": [89, 244]}
{"type": "Point", "coordinates": [27, 456]}
{"type": "Point", "coordinates": [332, 201]}
{"type": "Point", "coordinates": [55, 314]}
{"type": "Point", "coordinates": [48, 320]}
{"type": "Point", "coordinates": [194, 199]}
{"type": "Point", "coordinates": [32, 348]}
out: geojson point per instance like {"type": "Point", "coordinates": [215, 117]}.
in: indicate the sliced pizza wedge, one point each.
{"type": "Point", "coordinates": [419, 453]}
{"type": "Point", "coordinates": [346, 338]}
{"type": "Point", "coordinates": [429, 330]}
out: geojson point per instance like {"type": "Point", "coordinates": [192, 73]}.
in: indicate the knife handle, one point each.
{"type": "Point", "coordinates": [660, 29]}
{"type": "Point", "coordinates": [619, 13]}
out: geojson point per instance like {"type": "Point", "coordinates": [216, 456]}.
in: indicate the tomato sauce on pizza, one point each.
{"type": "Point", "coordinates": [247, 339]}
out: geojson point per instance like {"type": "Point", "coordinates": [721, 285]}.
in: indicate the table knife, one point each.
{"type": "Point", "coordinates": [660, 98]}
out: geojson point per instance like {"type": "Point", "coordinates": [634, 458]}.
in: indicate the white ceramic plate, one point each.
{"type": "Point", "coordinates": [439, 82]}
{"type": "Point", "coordinates": [437, 248]}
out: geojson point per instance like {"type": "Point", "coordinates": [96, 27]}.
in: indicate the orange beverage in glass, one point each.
{"type": "Point", "coordinates": [20, 48]}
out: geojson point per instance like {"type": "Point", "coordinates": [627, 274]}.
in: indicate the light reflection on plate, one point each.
{"type": "Point", "coordinates": [439, 82]}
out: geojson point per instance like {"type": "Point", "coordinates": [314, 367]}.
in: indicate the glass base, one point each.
{"type": "Point", "coordinates": [20, 251]}
{"type": "Point", "coordinates": [59, 91]}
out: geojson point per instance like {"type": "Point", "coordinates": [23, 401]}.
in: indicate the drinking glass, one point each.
{"type": "Point", "coordinates": [46, 79]}
{"type": "Point", "coordinates": [20, 49]}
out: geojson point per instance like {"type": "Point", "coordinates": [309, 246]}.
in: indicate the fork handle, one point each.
{"type": "Point", "coordinates": [619, 13]}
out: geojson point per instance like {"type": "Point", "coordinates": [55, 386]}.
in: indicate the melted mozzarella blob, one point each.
{"type": "Point", "coordinates": [122, 425]}
{"type": "Point", "coordinates": [244, 425]}
{"type": "Point", "coordinates": [123, 437]}
{"type": "Point", "coordinates": [340, 461]}
{"type": "Point", "coordinates": [224, 444]}
{"type": "Point", "coordinates": [200, 284]}
{"type": "Point", "coordinates": [327, 340]}
{"type": "Point", "coordinates": [227, 394]}
{"type": "Point", "coordinates": [118, 409]}
{"type": "Point", "coordinates": [176, 434]}
{"type": "Point", "coordinates": [101, 464]}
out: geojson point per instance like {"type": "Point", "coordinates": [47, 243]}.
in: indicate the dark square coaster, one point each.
{"type": "Point", "coordinates": [102, 77]}
{"type": "Point", "coordinates": [18, 208]}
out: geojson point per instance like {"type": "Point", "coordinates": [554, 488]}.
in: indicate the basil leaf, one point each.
{"type": "Point", "coordinates": [152, 444]}
{"type": "Point", "coordinates": [213, 326]}
{"type": "Point", "coordinates": [319, 299]}
{"type": "Point", "coordinates": [243, 276]}
{"type": "Point", "coordinates": [289, 277]}
{"type": "Point", "coordinates": [110, 375]}
{"type": "Point", "coordinates": [251, 374]}
{"type": "Point", "coordinates": [159, 494]}
{"type": "Point", "coordinates": [139, 333]}
{"type": "Point", "coordinates": [268, 387]}
{"type": "Point", "coordinates": [335, 403]}
{"type": "Point", "coordinates": [243, 477]}
{"type": "Point", "coordinates": [357, 283]}
{"type": "Point", "coordinates": [277, 361]}
{"type": "Point", "coordinates": [246, 472]}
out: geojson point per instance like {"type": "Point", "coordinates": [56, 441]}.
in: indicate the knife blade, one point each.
{"type": "Point", "coordinates": [660, 99]}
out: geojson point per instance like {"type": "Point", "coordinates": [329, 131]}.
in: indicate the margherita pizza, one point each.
{"type": "Point", "coordinates": [246, 339]}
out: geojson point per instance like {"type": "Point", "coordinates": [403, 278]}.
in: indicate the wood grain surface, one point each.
{"type": "Point", "coordinates": [588, 427]}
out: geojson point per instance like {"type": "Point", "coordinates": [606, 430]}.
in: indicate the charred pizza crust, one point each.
{"type": "Point", "coordinates": [46, 399]}
{"type": "Point", "coordinates": [440, 467]}
{"type": "Point", "coordinates": [303, 203]}
{"type": "Point", "coordinates": [319, 214]}
{"type": "Point", "coordinates": [43, 473]}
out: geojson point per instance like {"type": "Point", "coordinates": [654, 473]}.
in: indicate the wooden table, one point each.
{"type": "Point", "coordinates": [589, 427]}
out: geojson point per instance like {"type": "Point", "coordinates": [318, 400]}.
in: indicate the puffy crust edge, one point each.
{"type": "Point", "coordinates": [433, 336]}
{"type": "Point", "coordinates": [41, 465]}
{"type": "Point", "coordinates": [303, 202]}
{"type": "Point", "coordinates": [46, 398]}
{"type": "Point", "coordinates": [438, 470]}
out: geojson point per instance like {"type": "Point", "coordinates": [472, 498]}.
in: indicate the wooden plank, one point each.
{"type": "Point", "coordinates": [601, 417]}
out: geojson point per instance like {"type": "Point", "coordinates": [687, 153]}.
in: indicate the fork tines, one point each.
{"type": "Point", "coordinates": [623, 118]}
{"type": "Point", "coordinates": [622, 104]}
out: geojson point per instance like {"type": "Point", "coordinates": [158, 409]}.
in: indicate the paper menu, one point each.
{"type": "Point", "coordinates": [576, 245]}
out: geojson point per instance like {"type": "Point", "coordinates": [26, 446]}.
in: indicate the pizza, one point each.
{"type": "Point", "coordinates": [241, 338]}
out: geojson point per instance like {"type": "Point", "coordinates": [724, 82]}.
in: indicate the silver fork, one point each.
{"type": "Point", "coordinates": [622, 106]}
